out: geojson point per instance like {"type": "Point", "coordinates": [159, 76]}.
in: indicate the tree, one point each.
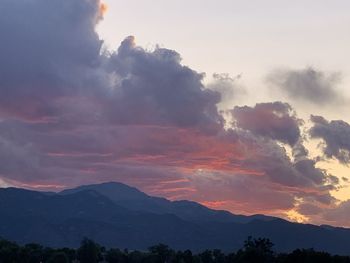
{"type": "Point", "coordinates": [187, 256]}
{"type": "Point", "coordinates": [71, 253]}
{"type": "Point", "coordinates": [136, 257]}
{"type": "Point", "coordinates": [33, 253]}
{"type": "Point", "coordinates": [8, 252]}
{"type": "Point", "coordinates": [115, 256]}
{"type": "Point", "coordinates": [59, 257]}
{"type": "Point", "coordinates": [89, 252]}
{"type": "Point", "coordinates": [219, 257]}
{"type": "Point", "coordinates": [256, 250]}
{"type": "Point", "coordinates": [207, 256]}
{"type": "Point", "coordinates": [162, 253]}
{"type": "Point", "coordinates": [307, 256]}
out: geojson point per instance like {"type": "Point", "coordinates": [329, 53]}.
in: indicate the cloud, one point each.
{"type": "Point", "coordinates": [275, 120]}
{"type": "Point", "coordinates": [335, 213]}
{"type": "Point", "coordinates": [49, 49]}
{"type": "Point", "coordinates": [307, 85]}
{"type": "Point", "coordinates": [229, 88]}
{"type": "Point", "coordinates": [154, 88]}
{"type": "Point", "coordinates": [272, 185]}
{"type": "Point", "coordinates": [335, 135]}
{"type": "Point", "coordinates": [71, 114]}
{"type": "Point", "coordinates": [338, 215]}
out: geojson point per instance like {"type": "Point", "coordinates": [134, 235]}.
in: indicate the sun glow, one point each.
{"type": "Point", "coordinates": [296, 216]}
{"type": "Point", "coordinates": [103, 8]}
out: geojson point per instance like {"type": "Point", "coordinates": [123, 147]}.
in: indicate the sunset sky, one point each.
{"type": "Point", "coordinates": [238, 105]}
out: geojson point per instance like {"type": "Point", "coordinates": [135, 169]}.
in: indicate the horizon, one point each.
{"type": "Point", "coordinates": [132, 187]}
{"type": "Point", "coordinates": [236, 106]}
{"type": "Point", "coordinates": [135, 188]}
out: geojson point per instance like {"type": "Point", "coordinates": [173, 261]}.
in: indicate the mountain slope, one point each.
{"type": "Point", "coordinates": [133, 199]}
{"type": "Point", "coordinates": [64, 219]}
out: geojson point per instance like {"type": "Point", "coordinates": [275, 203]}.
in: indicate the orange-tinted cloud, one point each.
{"type": "Point", "coordinates": [71, 114]}
{"type": "Point", "coordinates": [103, 8]}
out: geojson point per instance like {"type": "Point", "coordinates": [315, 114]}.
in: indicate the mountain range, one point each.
{"type": "Point", "coordinates": [117, 215]}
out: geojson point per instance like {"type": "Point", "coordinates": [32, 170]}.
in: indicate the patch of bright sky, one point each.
{"type": "Point", "coordinates": [230, 36]}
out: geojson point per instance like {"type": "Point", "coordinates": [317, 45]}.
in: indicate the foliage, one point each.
{"type": "Point", "coordinates": [89, 252]}
{"type": "Point", "coordinates": [59, 257]}
{"type": "Point", "coordinates": [256, 250]}
{"type": "Point", "coordinates": [253, 251]}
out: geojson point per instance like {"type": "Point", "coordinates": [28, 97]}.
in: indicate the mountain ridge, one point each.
{"type": "Point", "coordinates": [65, 218]}
{"type": "Point", "coordinates": [161, 205]}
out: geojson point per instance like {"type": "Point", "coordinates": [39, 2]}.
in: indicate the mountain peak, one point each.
{"type": "Point", "coordinates": [118, 215]}
{"type": "Point", "coordinates": [114, 190]}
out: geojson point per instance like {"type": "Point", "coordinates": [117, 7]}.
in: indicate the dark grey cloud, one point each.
{"type": "Point", "coordinates": [66, 106]}
{"type": "Point", "coordinates": [272, 159]}
{"type": "Point", "coordinates": [307, 85]}
{"type": "Point", "coordinates": [65, 77]}
{"type": "Point", "coordinates": [48, 49]}
{"type": "Point", "coordinates": [266, 179]}
{"type": "Point", "coordinates": [299, 151]}
{"type": "Point", "coordinates": [275, 120]}
{"type": "Point", "coordinates": [71, 114]}
{"type": "Point", "coordinates": [154, 88]}
{"type": "Point", "coordinates": [308, 209]}
{"type": "Point", "coordinates": [335, 135]}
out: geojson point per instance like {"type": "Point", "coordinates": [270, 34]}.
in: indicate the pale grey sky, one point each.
{"type": "Point", "coordinates": [249, 37]}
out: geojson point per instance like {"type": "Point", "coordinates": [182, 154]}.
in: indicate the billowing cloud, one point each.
{"type": "Point", "coordinates": [267, 180]}
{"type": "Point", "coordinates": [49, 49]}
{"type": "Point", "coordinates": [273, 120]}
{"type": "Point", "coordinates": [307, 85]}
{"type": "Point", "coordinates": [71, 114]}
{"type": "Point", "coordinates": [335, 135]}
{"type": "Point", "coordinates": [154, 88]}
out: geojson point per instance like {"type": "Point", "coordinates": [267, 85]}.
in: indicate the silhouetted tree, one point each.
{"type": "Point", "coordinates": [187, 256]}
{"type": "Point", "coordinates": [136, 257]}
{"type": "Point", "coordinates": [219, 257]}
{"type": "Point", "coordinates": [32, 253]}
{"type": "Point", "coordinates": [71, 253]}
{"type": "Point", "coordinates": [230, 258]}
{"type": "Point", "coordinates": [207, 256]}
{"type": "Point", "coordinates": [253, 251]}
{"type": "Point", "coordinates": [9, 252]}
{"type": "Point", "coordinates": [256, 250]}
{"type": "Point", "coordinates": [307, 256]}
{"type": "Point", "coordinates": [116, 256]}
{"type": "Point", "coordinates": [162, 253]}
{"type": "Point", "coordinates": [89, 252]}
{"type": "Point", "coordinates": [59, 257]}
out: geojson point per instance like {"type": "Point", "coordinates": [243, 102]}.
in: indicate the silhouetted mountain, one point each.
{"type": "Point", "coordinates": [133, 199]}
{"type": "Point", "coordinates": [117, 215]}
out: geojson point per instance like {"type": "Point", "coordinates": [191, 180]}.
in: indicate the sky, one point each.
{"type": "Point", "coordinates": [237, 105]}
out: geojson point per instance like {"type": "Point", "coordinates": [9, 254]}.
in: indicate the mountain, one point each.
{"type": "Point", "coordinates": [116, 215]}
{"type": "Point", "coordinates": [135, 200]}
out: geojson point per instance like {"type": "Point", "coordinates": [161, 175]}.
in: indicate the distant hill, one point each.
{"type": "Point", "coordinates": [135, 200]}
{"type": "Point", "coordinates": [116, 215]}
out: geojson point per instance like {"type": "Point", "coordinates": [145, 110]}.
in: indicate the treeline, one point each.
{"type": "Point", "coordinates": [253, 251]}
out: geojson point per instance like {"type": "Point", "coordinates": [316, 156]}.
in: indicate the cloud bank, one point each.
{"type": "Point", "coordinates": [71, 113]}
